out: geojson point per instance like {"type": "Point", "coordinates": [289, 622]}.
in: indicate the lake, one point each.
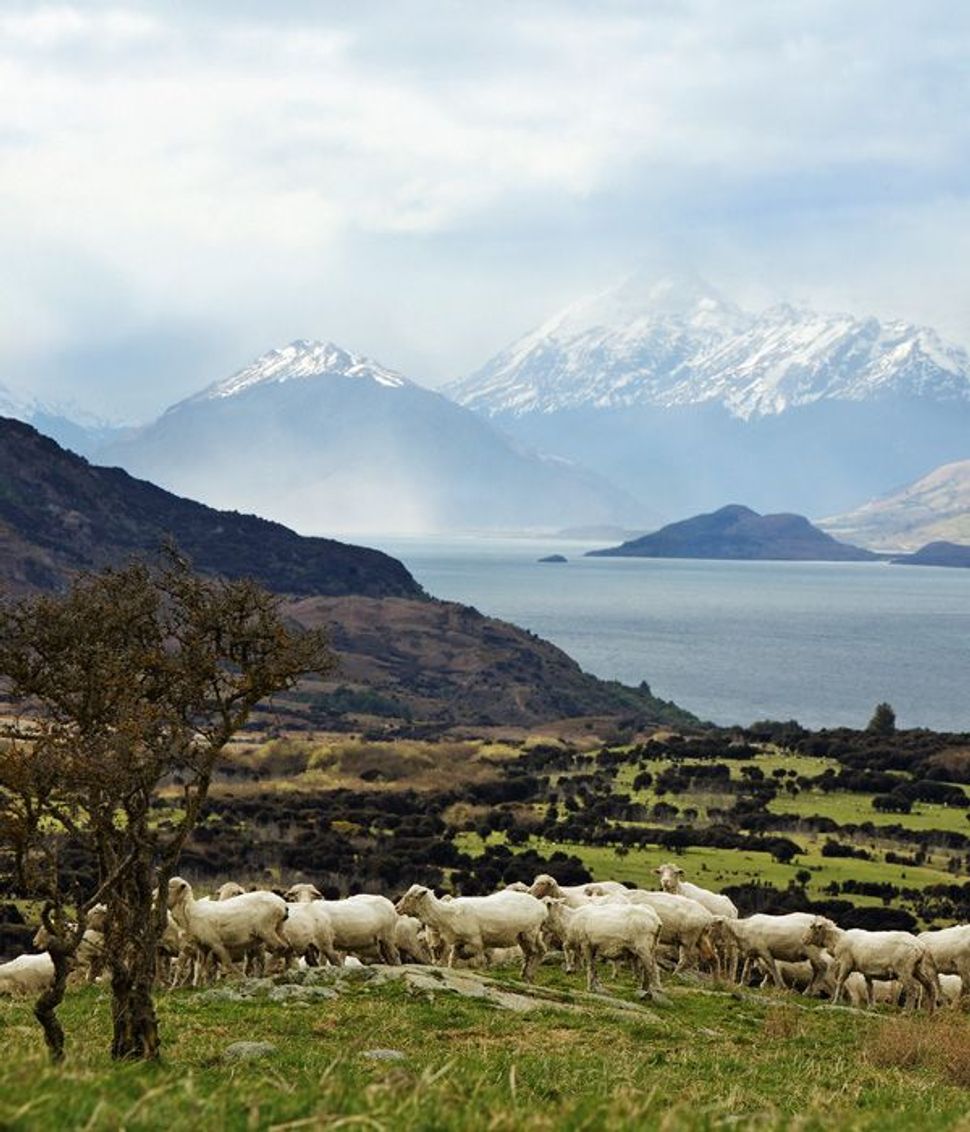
{"type": "Point", "coordinates": [819, 642]}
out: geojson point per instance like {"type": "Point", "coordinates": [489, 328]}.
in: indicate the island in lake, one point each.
{"type": "Point", "coordinates": [737, 532]}
{"type": "Point", "coordinates": [937, 554]}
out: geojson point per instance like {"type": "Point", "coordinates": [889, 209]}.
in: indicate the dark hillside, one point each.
{"type": "Point", "coordinates": [59, 514]}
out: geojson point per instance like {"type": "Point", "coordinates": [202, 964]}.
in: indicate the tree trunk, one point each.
{"type": "Point", "coordinates": [133, 948]}
{"type": "Point", "coordinates": [45, 1008]}
{"type": "Point", "coordinates": [136, 1036]}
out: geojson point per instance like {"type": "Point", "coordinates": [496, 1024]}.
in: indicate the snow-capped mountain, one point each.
{"type": "Point", "coordinates": [677, 342]}
{"type": "Point", "coordinates": [673, 392]}
{"type": "Point", "coordinates": [301, 359]}
{"type": "Point", "coordinates": [624, 346]}
{"type": "Point", "coordinates": [328, 441]}
{"type": "Point", "coordinates": [68, 425]}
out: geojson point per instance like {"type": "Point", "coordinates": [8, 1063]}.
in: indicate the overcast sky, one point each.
{"type": "Point", "coordinates": [184, 185]}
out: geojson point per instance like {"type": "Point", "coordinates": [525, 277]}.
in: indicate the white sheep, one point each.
{"type": "Point", "coordinates": [671, 880]}
{"type": "Point", "coordinates": [684, 923]}
{"type": "Point", "coordinates": [228, 929]}
{"type": "Point", "coordinates": [479, 922]}
{"type": "Point", "coordinates": [878, 955]}
{"type": "Point", "coordinates": [575, 895]}
{"type": "Point", "coordinates": [360, 923]}
{"type": "Point", "coordinates": [612, 930]}
{"type": "Point", "coordinates": [950, 948]}
{"type": "Point", "coordinates": [228, 890]}
{"type": "Point", "coordinates": [308, 929]}
{"type": "Point", "coordinates": [27, 974]}
{"type": "Point", "coordinates": [768, 938]}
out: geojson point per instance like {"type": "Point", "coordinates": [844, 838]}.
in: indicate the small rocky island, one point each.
{"type": "Point", "coordinates": [936, 554]}
{"type": "Point", "coordinates": [737, 532]}
{"type": "Point", "coordinates": [554, 558]}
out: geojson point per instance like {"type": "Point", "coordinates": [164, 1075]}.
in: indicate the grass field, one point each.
{"type": "Point", "coordinates": [717, 868]}
{"type": "Point", "coordinates": [706, 1059]}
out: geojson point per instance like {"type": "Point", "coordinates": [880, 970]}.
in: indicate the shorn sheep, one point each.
{"type": "Point", "coordinates": [684, 923]}
{"type": "Point", "coordinates": [474, 923]}
{"type": "Point", "coordinates": [228, 928]}
{"type": "Point", "coordinates": [672, 880]}
{"type": "Point", "coordinates": [575, 895]}
{"type": "Point", "coordinates": [27, 974]}
{"type": "Point", "coordinates": [950, 948]}
{"type": "Point", "coordinates": [878, 955]}
{"type": "Point", "coordinates": [610, 931]}
{"type": "Point", "coordinates": [360, 923]}
{"type": "Point", "coordinates": [767, 939]}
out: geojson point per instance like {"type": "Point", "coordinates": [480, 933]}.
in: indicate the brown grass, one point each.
{"type": "Point", "coordinates": [782, 1022]}
{"type": "Point", "coordinates": [940, 1044]}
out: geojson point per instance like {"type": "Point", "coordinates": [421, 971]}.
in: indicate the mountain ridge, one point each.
{"type": "Point", "coordinates": [323, 439]}
{"type": "Point", "coordinates": [634, 345]}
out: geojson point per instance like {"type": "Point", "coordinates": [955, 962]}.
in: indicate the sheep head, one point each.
{"type": "Point", "coordinates": [302, 893]}
{"type": "Point", "coordinates": [545, 885]}
{"type": "Point", "coordinates": [179, 890]}
{"type": "Point", "coordinates": [670, 876]}
{"type": "Point", "coordinates": [821, 933]}
{"type": "Point", "coordinates": [412, 900]}
{"type": "Point", "coordinates": [229, 890]}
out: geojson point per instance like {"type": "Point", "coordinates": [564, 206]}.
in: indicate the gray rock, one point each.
{"type": "Point", "coordinates": [384, 1055]}
{"type": "Point", "coordinates": [248, 1051]}
{"type": "Point", "coordinates": [290, 992]}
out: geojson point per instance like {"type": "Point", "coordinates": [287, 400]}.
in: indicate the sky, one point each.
{"type": "Point", "coordinates": [186, 185]}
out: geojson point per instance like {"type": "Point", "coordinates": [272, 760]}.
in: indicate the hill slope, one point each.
{"type": "Point", "coordinates": [934, 508]}
{"type": "Point", "coordinates": [439, 661]}
{"type": "Point", "coordinates": [326, 440]}
{"type": "Point", "coordinates": [59, 514]}
{"type": "Point", "coordinates": [737, 532]}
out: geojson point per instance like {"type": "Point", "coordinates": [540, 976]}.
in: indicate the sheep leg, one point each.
{"type": "Point", "coordinates": [769, 960]}
{"type": "Point", "coordinates": [389, 952]}
{"type": "Point", "coordinates": [841, 974]}
{"type": "Point", "coordinates": [589, 958]}
{"type": "Point", "coordinates": [531, 946]}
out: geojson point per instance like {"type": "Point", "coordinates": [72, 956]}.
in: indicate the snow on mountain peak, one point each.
{"type": "Point", "coordinates": [302, 358]}
{"type": "Point", "coordinates": [675, 341]}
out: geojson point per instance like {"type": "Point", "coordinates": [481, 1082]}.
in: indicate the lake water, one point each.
{"type": "Point", "coordinates": [822, 643]}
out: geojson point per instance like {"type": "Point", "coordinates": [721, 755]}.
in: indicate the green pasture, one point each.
{"type": "Point", "coordinates": [707, 1058]}
{"type": "Point", "coordinates": [718, 868]}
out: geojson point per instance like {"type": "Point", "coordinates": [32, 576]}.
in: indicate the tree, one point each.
{"type": "Point", "coordinates": [883, 720]}
{"type": "Point", "coordinates": [134, 679]}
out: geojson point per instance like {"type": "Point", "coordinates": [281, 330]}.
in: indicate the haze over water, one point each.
{"type": "Point", "coordinates": [733, 642]}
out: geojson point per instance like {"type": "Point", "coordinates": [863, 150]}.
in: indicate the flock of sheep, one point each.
{"type": "Point", "coordinates": [681, 925]}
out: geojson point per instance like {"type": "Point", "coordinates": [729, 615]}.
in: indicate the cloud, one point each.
{"type": "Point", "coordinates": [251, 167]}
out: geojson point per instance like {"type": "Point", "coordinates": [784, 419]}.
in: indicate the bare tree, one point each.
{"type": "Point", "coordinates": [135, 679]}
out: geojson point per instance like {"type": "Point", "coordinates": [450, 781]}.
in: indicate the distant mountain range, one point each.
{"type": "Point", "coordinates": [399, 649]}
{"type": "Point", "coordinates": [329, 441]}
{"type": "Point", "coordinates": [675, 393]}
{"type": "Point", "coordinates": [737, 532]}
{"type": "Point", "coordinates": [934, 508]}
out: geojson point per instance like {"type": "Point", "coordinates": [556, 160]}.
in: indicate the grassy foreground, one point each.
{"type": "Point", "coordinates": [704, 1060]}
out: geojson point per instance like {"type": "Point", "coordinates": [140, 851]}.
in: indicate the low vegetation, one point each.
{"type": "Point", "coordinates": [708, 1058]}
